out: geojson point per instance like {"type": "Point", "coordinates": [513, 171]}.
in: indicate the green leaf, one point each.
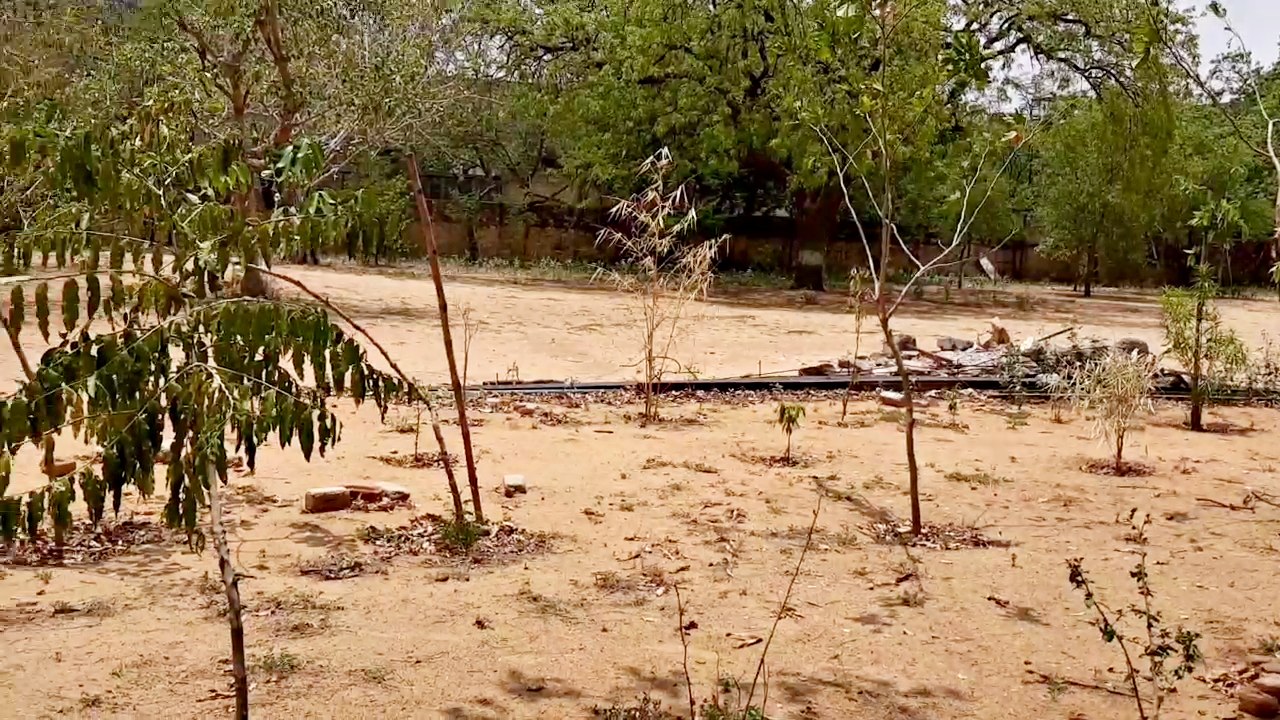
{"type": "Point", "coordinates": [6, 470]}
{"type": "Point", "coordinates": [42, 309]}
{"type": "Point", "coordinates": [70, 304]}
{"type": "Point", "coordinates": [10, 512]}
{"type": "Point", "coordinates": [35, 513]}
{"type": "Point", "coordinates": [94, 288]}
{"type": "Point", "coordinates": [95, 495]}
{"type": "Point", "coordinates": [306, 434]}
{"type": "Point", "coordinates": [17, 312]}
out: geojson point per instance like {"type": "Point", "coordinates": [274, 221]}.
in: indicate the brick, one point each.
{"type": "Point", "coordinates": [327, 499]}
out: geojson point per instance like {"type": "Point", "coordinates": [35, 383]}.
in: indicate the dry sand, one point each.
{"type": "Point", "coordinates": [585, 623]}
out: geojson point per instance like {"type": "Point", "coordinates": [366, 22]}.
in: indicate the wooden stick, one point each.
{"type": "Point", "coordinates": [427, 227]}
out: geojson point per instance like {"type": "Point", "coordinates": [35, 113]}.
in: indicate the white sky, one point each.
{"type": "Point", "coordinates": [1257, 21]}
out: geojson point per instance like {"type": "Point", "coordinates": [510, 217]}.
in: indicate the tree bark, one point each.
{"type": "Point", "coordinates": [1197, 369]}
{"type": "Point", "coordinates": [817, 215]}
{"type": "Point", "coordinates": [459, 392]}
{"type": "Point", "coordinates": [231, 583]}
{"type": "Point", "coordinates": [913, 468]}
{"type": "Point", "coordinates": [1090, 267]}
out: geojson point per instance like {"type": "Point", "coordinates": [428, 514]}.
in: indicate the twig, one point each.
{"type": "Point", "coordinates": [1051, 679]}
{"type": "Point", "coordinates": [1228, 506]}
{"type": "Point", "coordinates": [782, 607]}
{"type": "Point", "coordinates": [684, 642]}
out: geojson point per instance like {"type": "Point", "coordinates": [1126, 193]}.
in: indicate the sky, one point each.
{"type": "Point", "coordinates": [1257, 21]}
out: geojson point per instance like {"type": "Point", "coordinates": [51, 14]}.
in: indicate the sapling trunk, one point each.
{"type": "Point", "coordinates": [459, 392]}
{"type": "Point", "coordinates": [913, 469]}
{"type": "Point", "coordinates": [231, 584]}
{"type": "Point", "coordinates": [1197, 367]}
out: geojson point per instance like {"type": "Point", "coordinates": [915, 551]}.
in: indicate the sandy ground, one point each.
{"type": "Point", "coordinates": [577, 330]}
{"type": "Point", "coordinates": [586, 623]}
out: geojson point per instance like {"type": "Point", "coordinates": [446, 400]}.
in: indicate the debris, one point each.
{"type": "Point", "coordinates": [527, 409]}
{"type": "Point", "coordinates": [326, 499]}
{"type": "Point", "coordinates": [896, 399]}
{"type": "Point", "coordinates": [998, 336]}
{"type": "Point", "coordinates": [85, 543]}
{"type": "Point", "coordinates": [952, 344]}
{"type": "Point", "coordinates": [819, 370]}
{"type": "Point", "coordinates": [513, 484]}
{"type": "Point", "coordinates": [340, 566]}
{"type": "Point", "coordinates": [1129, 346]}
{"type": "Point", "coordinates": [933, 537]}
{"type": "Point", "coordinates": [433, 535]}
{"type": "Point", "coordinates": [988, 267]}
{"type": "Point", "coordinates": [905, 343]}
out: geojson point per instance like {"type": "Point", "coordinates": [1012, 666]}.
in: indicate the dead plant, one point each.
{"type": "Point", "coordinates": [662, 272]}
{"type": "Point", "coordinates": [1117, 389]}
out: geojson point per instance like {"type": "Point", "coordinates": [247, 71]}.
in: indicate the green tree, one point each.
{"type": "Point", "coordinates": [176, 142]}
{"type": "Point", "coordinates": [1193, 328]}
{"type": "Point", "coordinates": [1099, 168]}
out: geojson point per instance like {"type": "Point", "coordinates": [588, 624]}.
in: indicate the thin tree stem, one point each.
{"type": "Point", "coordinates": [231, 583]}
{"type": "Point", "coordinates": [427, 228]}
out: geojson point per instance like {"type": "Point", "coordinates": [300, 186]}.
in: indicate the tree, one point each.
{"type": "Point", "coordinates": [182, 140]}
{"type": "Point", "coordinates": [1098, 170]}
{"type": "Point", "coordinates": [901, 106]}
{"type": "Point", "coordinates": [1243, 95]}
{"type": "Point", "coordinates": [664, 271]}
{"type": "Point", "coordinates": [1193, 329]}
{"type": "Point", "coordinates": [1117, 389]}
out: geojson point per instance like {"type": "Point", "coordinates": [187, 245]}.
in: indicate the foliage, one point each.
{"type": "Point", "coordinates": [1117, 389]}
{"type": "Point", "coordinates": [664, 272]}
{"type": "Point", "coordinates": [1196, 336]}
{"type": "Point", "coordinates": [789, 417]}
{"type": "Point", "coordinates": [1159, 645]}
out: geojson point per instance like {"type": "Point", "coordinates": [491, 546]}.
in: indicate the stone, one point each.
{"type": "Point", "coordinates": [512, 484]}
{"type": "Point", "coordinates": [527, 409]}
{"type": "Point", "coordinates": [1129, 346]}
{"type": "Point", "coordinates": [1260, 659]}
{"type": "Point", "coordinates": [1255, 703]}
{"type": "Point", "coordinates": [1272, 667]}
{"type": "Point", "coordinates": [954, 344]}
{"type": "Point", "coordinates": [1269, 684]}
{"type": "Point", "coordinates": [326, 499]}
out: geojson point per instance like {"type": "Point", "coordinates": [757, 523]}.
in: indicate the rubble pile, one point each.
{"type": "Point", "coordinates": [1036, 361]}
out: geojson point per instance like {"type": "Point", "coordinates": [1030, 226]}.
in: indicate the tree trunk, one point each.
{"type": "Point", "coordinates": [913, 468]}
{"type": "Point", "coordinates": [459, 393]}
{"type": "Point", "coordinates": [1197, 394]}
{"type": "Point", "coordinates": [231, 583]}
{"type": "Point", "coordinates": [817, 215]}
{"type": "Point", "coordinates": [1090, 268]}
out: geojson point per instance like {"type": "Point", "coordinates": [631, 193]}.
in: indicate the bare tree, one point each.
{"type": "Point", "coordinates": [892, 113]}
